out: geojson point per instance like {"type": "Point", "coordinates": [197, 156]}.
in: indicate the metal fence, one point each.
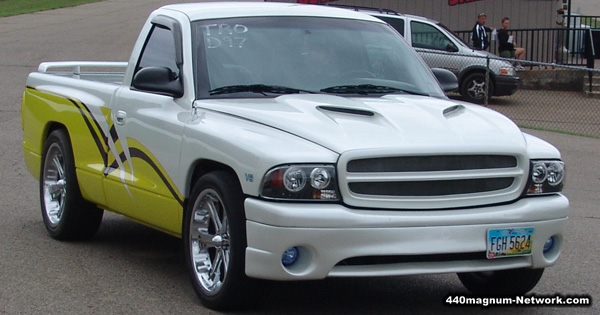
{"type": "Point", "coordinates": [565, 46]}
{"type": "Point", "coordinates": [550, 97]}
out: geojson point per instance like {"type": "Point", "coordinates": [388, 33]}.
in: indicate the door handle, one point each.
{"type": "Point", "coordinates": [120, 117]}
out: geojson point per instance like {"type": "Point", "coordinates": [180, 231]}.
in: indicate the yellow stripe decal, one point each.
{"type": "Point", "coordinates": [143, 156]}
{"type": "Point", "coordinates": [99, 138]}
{"type": "Point", "coordinates": [95, 136]}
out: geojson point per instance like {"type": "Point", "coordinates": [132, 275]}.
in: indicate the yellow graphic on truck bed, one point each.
{"type": "Point", "coordinates": [106, 166]}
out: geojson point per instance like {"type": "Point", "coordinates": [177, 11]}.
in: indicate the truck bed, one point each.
{"type": "Point", "coordinates": [101, 71]}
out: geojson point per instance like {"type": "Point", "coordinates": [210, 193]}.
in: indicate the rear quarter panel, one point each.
{"type": "Point", "coordinates": [48, 104]}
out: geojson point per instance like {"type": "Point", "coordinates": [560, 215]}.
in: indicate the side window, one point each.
{"type": "Point", "coordinates": [159, 50]}
{"type": "Point", "coordinates": [427, 36]}
{"type": "Point", "coordinates": [398, 24]}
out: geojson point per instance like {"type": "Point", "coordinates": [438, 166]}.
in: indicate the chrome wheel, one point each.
{"type": "Point", "coordinates": [209, 241]}
{"type": "Point", "coordinates": [214, 242]}
{"type": "Point", "coordinates": [67, 216]}
{"type": "Point", "coordinates": [54, 189]}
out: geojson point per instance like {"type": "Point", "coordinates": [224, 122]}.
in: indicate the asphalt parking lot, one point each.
{"type": "Point", "coordinates": [130, 269]}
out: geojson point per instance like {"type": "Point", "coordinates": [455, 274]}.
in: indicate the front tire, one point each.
{"type": "Point", "coordinates": [67, 216]}
{"type": "Point", "coordinates": [472, 88]}
{"type": "Point", "coordinates": [214, 241]}
{"type": "Point", "coordinates": [502, 282]}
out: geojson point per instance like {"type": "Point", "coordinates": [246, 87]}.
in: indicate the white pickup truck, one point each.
{"type": "Point", "coordinates": [292, 142]}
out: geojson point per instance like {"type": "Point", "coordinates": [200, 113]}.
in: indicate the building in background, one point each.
{"type": "Point", "coordinates": [586, 7]}
{"type": "Point", "coordinates": [460, 15]}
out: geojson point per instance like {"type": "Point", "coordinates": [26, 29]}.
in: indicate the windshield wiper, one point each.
{"type": "Point", "coordinates": [365, 89]}
{"type": "Point", "coordinates": [257, 88]}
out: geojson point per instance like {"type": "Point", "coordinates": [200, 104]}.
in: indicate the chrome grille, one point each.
{"type": "Point", "coordinates": [430, 188]}
{"type": "Point", "coordinates": [430, 181]}
{"type": "Point", "coordinates": [431, 163]}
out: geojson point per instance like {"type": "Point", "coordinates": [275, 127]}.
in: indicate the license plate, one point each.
{"type": "Point", "coordinates": [509, 242]}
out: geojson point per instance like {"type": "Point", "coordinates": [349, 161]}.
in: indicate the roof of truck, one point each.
{"type": "Point", "coordinates": [213, 10]}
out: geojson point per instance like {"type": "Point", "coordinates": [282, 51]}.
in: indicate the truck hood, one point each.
{"type": "Point", "coordinates": [394, 121]}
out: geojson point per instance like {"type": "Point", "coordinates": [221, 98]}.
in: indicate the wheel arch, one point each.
{"type": "Point", "coordinates": [202, 167]}
{"type": "Point", "coordinates": [38, 145]}
{"type": "Point", "coordinates": [51, 126]}
{"type": "Point", "coordinates": [475, 69]}
{"type": "Point", "coordinates": [46, 130]}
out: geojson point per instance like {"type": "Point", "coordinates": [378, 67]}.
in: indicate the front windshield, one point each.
{"type": "Point", "coordinates": [270, 56]}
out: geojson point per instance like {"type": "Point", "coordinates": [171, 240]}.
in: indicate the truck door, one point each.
{"type": "Point", "coordinates": [147, 133]}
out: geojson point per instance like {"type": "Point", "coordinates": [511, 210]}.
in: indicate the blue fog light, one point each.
{"type": "Point", "coordinates": [549, 244]}
{"type": "Point", "coordinates": [290, 256]}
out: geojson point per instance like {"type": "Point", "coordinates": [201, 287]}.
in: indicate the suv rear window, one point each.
{"type": "Point", "coordinates": [398, 24]}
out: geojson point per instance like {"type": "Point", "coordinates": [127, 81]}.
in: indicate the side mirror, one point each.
{"type": "Point", "coordinates": [161, 80]}
{"type": "Point", "coordinates": [446, 78]}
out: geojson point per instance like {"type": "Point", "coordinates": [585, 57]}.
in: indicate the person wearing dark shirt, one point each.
{"type": "Point", "coordinates": [506, 46]}
{"type": "Point", "coordinates": [479, 35]}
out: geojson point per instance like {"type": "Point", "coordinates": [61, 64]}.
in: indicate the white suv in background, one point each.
{"type": "Point", "coordinates": [440, 48]}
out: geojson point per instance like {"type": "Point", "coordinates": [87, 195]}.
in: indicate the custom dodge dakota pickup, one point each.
{"type": "Point", "coordinates": [292, 142]}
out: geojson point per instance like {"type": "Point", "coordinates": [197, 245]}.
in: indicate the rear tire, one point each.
{"type": "Point", "coordinates": [67, 216]}
{"type": "Point", "coordinates": [214, 242]}
{"type": "Point", "coordinates": [502, 282]}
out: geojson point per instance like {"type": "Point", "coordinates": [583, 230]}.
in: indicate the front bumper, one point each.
{"type": "Point", "coordinates": [506, 85]}
{"type": "Point", "coordinates": [336, 241]}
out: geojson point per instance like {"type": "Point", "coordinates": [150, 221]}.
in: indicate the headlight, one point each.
{"type": "Point", "coordinates": [546, 177]}
{"type": "Point", "coordinates": [301, 182]}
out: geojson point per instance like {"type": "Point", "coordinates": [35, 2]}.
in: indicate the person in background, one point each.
{"type": "Point", "coordinates": [506, 46]}
{"type": "Point", "coordinates": [479, 34]}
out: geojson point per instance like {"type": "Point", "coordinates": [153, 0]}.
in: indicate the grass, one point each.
{"type": "Point", "coordinates": [591, 22]}
{"type": "Point", "coordinates": [16, 7]}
